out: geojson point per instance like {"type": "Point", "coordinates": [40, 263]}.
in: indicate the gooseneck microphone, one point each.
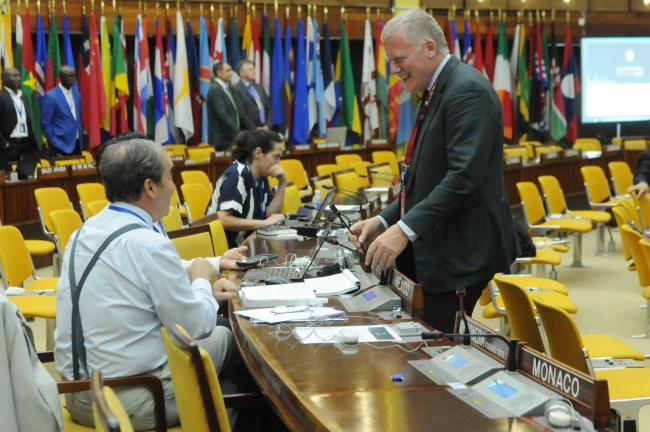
{"type": "Point", "coordinates": [338, 214]}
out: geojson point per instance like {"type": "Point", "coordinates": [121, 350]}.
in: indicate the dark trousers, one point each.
{"type": "Point", "coordinates": [440, 309]}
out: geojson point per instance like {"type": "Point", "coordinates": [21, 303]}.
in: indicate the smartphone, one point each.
{"type": "Point", "coordinates": [250, 262]}
{"type": "Point", "coordinates": [381, 334]}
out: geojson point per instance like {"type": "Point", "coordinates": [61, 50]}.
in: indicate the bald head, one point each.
{"type": "Point", "coordinates": [11, 78]}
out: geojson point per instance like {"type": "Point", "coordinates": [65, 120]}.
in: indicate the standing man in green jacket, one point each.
{"type": "Point", "coordinates": [223, 119]}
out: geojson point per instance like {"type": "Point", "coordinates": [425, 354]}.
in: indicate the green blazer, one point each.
{"type": "Point", "coordinates": [223, 120]}
{"type": "Point", "coordinates": [455, 196]}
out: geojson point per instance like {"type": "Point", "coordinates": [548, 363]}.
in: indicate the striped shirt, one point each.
{"type": "Point", "coordinates": [238, 192]}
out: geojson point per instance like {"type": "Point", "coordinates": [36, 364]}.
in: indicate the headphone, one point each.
{"type": "Point", "coordinates": [561, 414]}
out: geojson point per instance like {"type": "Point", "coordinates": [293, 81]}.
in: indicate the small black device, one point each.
{"type": "Point", "coordinates": [256, 260]}
{"type": "Point", "coordinates": [276, 281]}
{"type": "Point", "coordinates": [329, 269]}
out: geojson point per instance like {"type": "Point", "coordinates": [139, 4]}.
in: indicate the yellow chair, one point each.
{"type": "Point", "coordinates": [321, 182]}
{"type": "Point", "coordinates": [533, 207]}
{"type": "Point", "coordinates": [556, 205]}
{"type": "Point", "coordinates": [531, 146]}
{"type": "Point", "coordinates": [547, 149]}
{"type": "Point", "coordinates": [193, 242]}
{"type": "Point", "coordinates": [542, 258]}
{"type": "Point", "coordinates": [597, 188]}
{"type": "Point", "coordinates": [381, 175]}
{"type": "Point", "coordinates": [645, 284]}
{"type": "Point", "coordinates": [588, 144]}
{"type": "Point", "coordinates": [345, 160]}
{"type": "Point", "coordinates": [380, 156]}
{"type": "Point", "coordinates": [515, 152]}
{"type": "Point", "coordinates": [629, 388]}
{"type": "Point", "coordinates": [196, 199]}
{"type": "Point", "coordinates": [295, 172]}
{"type": "Point", "coordinates": [88, 156]}
{"type": "Point", "coordinates": [346, 180]}
{"type": "Point", "coordinates": [622, 177]}
{"type": "Point", "coordinates": [108, 412]}
{"type": "Point", "coordinates": [642, 206]}
{"type": "Point", "coordinates": [361, 168]}
{"type": "Point", "coordinates": [326, 169]}
{"type": "Point", "coordinates": [64, 223]}
{"type": "Point", "coordinates": [89, 192]}
{"type": "Point", "coordinates": [66, 162]}
{"type": "Point", "coordinates": [622, 217]}
{"type": "Point", "coordinates": [635, 144]}
{"type": "Point", "coordinates": [219, 240]}
{"type": "Point", "coordinates": [176, 203]}
{"type": "Point", "coordinates": [526, 326]}
{"type": "Point", "coordinates": [199, 154]}
{"type": "Point", "coordinates": [292, 202]}
{"type": "Point", "coordinates": [177, 149]}
{"type": "Point", "coordinates": [637, 243]}
{"type": "Point", "coordinates": [197, 176]}
{"type": "Point", "coordinates": [172, 221]}
{"type": "Point", "coordinates": [49, 199]}
{"type": "Point", "coordinates": [95, 207]}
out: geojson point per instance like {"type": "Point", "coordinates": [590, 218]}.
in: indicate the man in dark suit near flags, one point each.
{"type": "Point", "coordinates": [223, 119]}
{"type": "Point", "coordinates": [61, 116]}
{"type": "Point", "coordinates": [16, 135]}
{"type": "Point", "coordinates": [252, 101]}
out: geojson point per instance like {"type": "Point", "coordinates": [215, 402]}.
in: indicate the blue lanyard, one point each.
{"type": "Point", "coordinates": [131, 212]}
{"type": "Point", "coordinates": [262, 204]}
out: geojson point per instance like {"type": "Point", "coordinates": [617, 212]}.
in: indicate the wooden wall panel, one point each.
{"type": "Point", "coordinates": [638, 6]}
{"type": "Point", "coordinates": [487, 4]}
{"type": "Point", "coordinates": [608, 5]}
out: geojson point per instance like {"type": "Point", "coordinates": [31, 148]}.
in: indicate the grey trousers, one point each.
{"type": "Point", "coordinates": [139, 403]}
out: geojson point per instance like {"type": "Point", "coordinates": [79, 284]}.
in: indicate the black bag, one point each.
{"type": "Point", "coordinates": [27, 165]}
{"type": "Point", "coordinates": [526, 245]}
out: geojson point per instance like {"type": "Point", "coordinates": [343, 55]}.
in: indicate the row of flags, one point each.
{"type": "Point", "coordinates": [309, 88]}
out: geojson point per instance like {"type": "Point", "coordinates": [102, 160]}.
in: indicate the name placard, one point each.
{"type": "Point", "coordinates": [52, 172]}
{"type": "Point", "coordinates": [512, 161]}
{"type": "Point", "coordinates": [409, 291]}
{"type": "Point", "coordinates": [548, 156]}
{"type": "Point", "coordinates": [570, 153]}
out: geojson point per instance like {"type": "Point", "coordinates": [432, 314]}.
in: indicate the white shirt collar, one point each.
{"type": "Point", "coordinates": [17, 94]}
{"type": "Point", "coordinates": [222, 82]}
{"type": "Point", "coordinates": [67, 92]}
{"type": "Point", "coordinates": [134, 208]}
{"type": "Point", "coordinates": [438, 70]}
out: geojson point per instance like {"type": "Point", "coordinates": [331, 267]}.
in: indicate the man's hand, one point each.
{"type": "Point", "coordinates": [365, 232]}
{"type": "Point", "coordinates": [201, 268]}
{"type": "Point", "coordinates": [273, 219]}
{"type": "Point", "coordinates": [278, 172]}
{"type": "Point", "coordinates": [229, 259]}
{"type": "Point", "coordinates": [385, 249]}
{"type": "Point", "coordinates": [224, 290]}
{"type": "Point", "coordinates": [640, 189]}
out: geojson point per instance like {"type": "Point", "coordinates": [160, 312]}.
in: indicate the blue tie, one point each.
{"type": "Point", "coordinates": [258, 101]}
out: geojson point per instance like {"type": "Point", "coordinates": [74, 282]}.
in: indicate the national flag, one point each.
{"type": "Point", "coordinates": [454, 47]}
{"type": "Point", "coordinates": [488, 57]}
{"type": "Point", "coordinates": [288, 80]}
{"type": "Point", "coordinates": [406, 121]}
{"type": "Point", "coordinates": [300, 131]}
{"type": "Point", "coordinates": [25, 52]}
{"type": "Point", "coordinates": [68, 57]}
{"type": "Point", "coordinates": [514, 54]}
{"type": "Point", "coordinates": [84, 73]}
{"type": "Point", "coordinates": [394, 92]}
{"type": "Point", "coordinates": [161, 127]}
{"type": "Point", "coordinates": [310, 45]}
{"type": "Point", "coordinates": [468, 53]}
{"type": "Point", "coordinates": [120, 81]}
{"type": "Point", "coordinates": [205, 76]}
{"type": "Point", "coordinates": [381, 80]}
{"type": "Point", "coordinates": [277, 78]}
{"type": "Point", "coordinates": [369, 86]}
{"type": "Point", "coordinates": [266, 55]}
{"type": "Point", "coordinates": [140, 77]}
{"type": "Point", "coordinates": [170, 66]}
{"type": "Point", "coordinates": [53, 57]}
{"type": "Point", "coordinates": [350, 105]}
{"type": "Point", "coordinates": [219, 52]}
{"type": "Point", "coordinates": [539, 84]}
{"type": "Point", "coordinates": [96, 97]}
{"type": "Point", "coordinates": [558, 116]}
{"type": "Point", "coordinates": [193, 75]}
{"type": "Point", "coordinates": [247, 36]}
{"type": "Point", "coordinates": [478, 52]}
{"type": "Point", "coordinates": [255, 54]}
{"type": "Point", "coordinates": [570, 86]}
{"type": "Point", "coordinates": [109, 91]}
{"type": "Point", "coordinates": [503, 81]}
{"type": "Point", "coordinates": [182, 103]}
{"type": "Point", "coordinates": [212, 35]}
{"type": "Point", "coordinates": [523, 84]}
{"type": "Point", "coordinates": [234, 49]}
{"type": "Point", "coordinates": [41, 55]}
{"type": "Point", "coordinates": [331, 101]}
{"type": "Point", "coordinates": [6, 51]}
{"type": "Point", "coordinates": [318, 83]}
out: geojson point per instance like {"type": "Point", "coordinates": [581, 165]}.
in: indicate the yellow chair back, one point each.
{"type": "Point", "coordinates": [346, 180]}
{"type": "Point", "coordinates": [326, 169]}
{"type": "Point", "coordinates": [49, 199]}
{"type": "Point", "coordinates": [381, 174]}
{"type": "Point", "coordinates": [564, 339]}
{"type": "Point", "coordinates": [196, 199]}
{"type": "Point", "coordinates": [635, 144]}
{"type": "Point", "coordinates": [192, 371]}
{"type": "Point", "coordinates": [88, 156]}
{"type": "Point", "coordinates": [108, 412]}
{"type": "Point", "coordinates": [643, 206]}
{"type": "Point", "coordinates": [622, 177]}
{"type": "Point", "coordinates": [621, 216]}
{"type": "Point", "coordinates": [361, 168]}
{"type": "Point", "coordinates": [520, 312]}
{"type": "Point", "coordinates": [197, 176]}
{"type": "Point", "coordinates": [219, 240]}
{"type": "Point", "coordinates": [14, 257]}
{"type": "Point", "coordinates": [172, 221]}
{"type": "Point", "coordinates": [587, 144]}
{"type": "Point", "coordinates": [595, 183]}
{"type": "Point", "coordinates": [199, 154]}
{"type": "Point", "coordinates": [531, 201]}
{"type": "Point", "coordinates": [645, 248]}
{"type": "Point", "coordinates": [295, 172]}
{"type": "Point", "coordinates": [65, 162]}
{"type": "Point", "coordinates": [320, 182]}
{"type": "Point", "coordinates": [633, 239]}
{"type": "Point", "coordinates": [176, 149]}
{"type": "Point", "coordinates": [64, 222]}
{"type": "Point", "coordinates": [345, 160]}
{"type": "Point", "coordinates": [44, 163]}
{"type": "Point", "coordinates": [90, 192]}
{"type": "Point", "coordinates": [553, 193]}
{"type": "Point", "coordinates": [292, 201]}
{"type": "Point", "coordinates": [380, 156]}
{"type": "Point", "coordinates": [192, 246]}
{"type": "Point", "coordinates": [515, 151]}
{"type": "Point", "coordinates": [96, 206]}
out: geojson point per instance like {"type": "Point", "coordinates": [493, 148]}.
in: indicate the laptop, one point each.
{"type": "Point", "coordinates": [290, 273]}
{"type": "Point", "coordinates": [337, 135]}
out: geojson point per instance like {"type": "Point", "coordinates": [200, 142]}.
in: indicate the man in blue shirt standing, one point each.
{"type": "Point", "coordinates": [61, 115]}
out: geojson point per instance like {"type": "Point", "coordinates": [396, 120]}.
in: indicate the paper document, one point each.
{"type": "Point", "coordinates": [350, 207]}
{"type": "Point", "coordinates": [268, 316]}
{"type": "Point", "coordinates": [292, 294]}
{"type": "Point", "coordinates": [340, 283]}
{"type": "Point", "coordinates": [376, 333]}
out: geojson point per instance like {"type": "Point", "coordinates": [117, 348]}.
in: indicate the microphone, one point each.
{"type": "Point", "coordinates": [361, 198]}
{"type": "Point", "coordinates": [338, 214]}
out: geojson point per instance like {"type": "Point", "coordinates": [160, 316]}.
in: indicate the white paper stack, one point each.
{"type": "Point", "coordinates": [293, 294]}
{"type": "Point", "coordinates": [340, 283]}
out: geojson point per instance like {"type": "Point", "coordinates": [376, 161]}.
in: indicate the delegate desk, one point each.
{"type": "Point", "coordinates": [318, 387]}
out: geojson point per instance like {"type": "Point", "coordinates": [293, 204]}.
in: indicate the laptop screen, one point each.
{"type": "Point", "coordinates": [325, 205]}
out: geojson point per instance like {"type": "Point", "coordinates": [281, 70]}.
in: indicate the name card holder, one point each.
{"type": "Point", "coordinates": [612, 148]}
{"type": "Point", "coordinates": [571, 154]}
{"type": "Point", "coordinates": [78, 170]}
{"type": "Point", "coordinates": [328, 146]}
{"type": "Point", "coordinates": [301, 147]}
{"type": "Point", "coordinates": [377, 142]}
{"type": "Point", "coordinates": [548, 157]}
{"type": "Point", "coordinates": [52, 172]}
{"type": "Point", "coordinates": [409, 291]}
{"type": "Point", "coordinates": [512, 162]}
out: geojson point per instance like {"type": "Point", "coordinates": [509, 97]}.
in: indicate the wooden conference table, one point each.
{"type": "Point", "coordinates": [318, 387]}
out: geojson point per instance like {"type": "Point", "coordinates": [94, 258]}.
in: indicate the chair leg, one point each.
{"type": "Point", "coordinates": [600, 240]}
{"type": "Point", "coordinates": [577, 251]}
{"type": "Point", "coordinates": [612, 243]}
{"type": "Point", "coordinates": [645, 335]}
{"type": "Point", "coordinates": [540, 270]}
{"type": "Point", "coordinates": [552, 274]}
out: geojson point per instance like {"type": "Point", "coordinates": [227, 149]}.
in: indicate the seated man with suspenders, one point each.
{"type": "Point", "coordinates": [122, 280]}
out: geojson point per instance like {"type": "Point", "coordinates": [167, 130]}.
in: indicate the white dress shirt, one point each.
{"type": "Point", "coordinates": [20, 130]}
{"type": "Point", "coordinates": [70, 100]}
{"type": "Point", "coordinates": [137, 286]}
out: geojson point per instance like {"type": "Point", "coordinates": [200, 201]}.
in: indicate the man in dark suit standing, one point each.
{"type": "Point", "coordinates": [252, 102]}
{"type": "Point", "coordinates": [223, 120]}
{"type": "Point", "coordinates": [16, 135]}
{"type": "Point", "coordinates": [451, 229]}
{"type": "Point", "coordinates": [61, 115]}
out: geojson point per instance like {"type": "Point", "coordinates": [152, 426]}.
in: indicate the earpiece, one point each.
{"type": "Point", "coordinates": [560, 413]}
